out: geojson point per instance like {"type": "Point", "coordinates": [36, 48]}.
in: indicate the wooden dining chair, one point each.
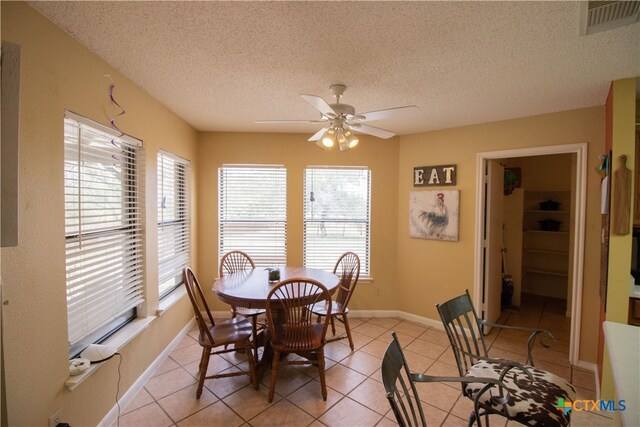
{"type": "Point", "coordinates": [535, 393]}
{"type": "Point", "coordinates": [239, 261]}
{"type": "Point", "coordinates": [292, 328]}
{"type": "Point", "coordinates": [235, 332]}
{"type": "Point", "coordinates": [399, 384]}
{"type": "Point", "coordinates": [348, 269]}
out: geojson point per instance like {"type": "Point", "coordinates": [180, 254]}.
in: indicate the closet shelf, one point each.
{"type": "Point", "coordinates": [546, 271]}
{"type": "Point", "coordinates": [546, 251]}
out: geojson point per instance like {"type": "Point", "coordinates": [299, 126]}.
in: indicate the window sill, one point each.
{"type": "Point", "coordinates": [170, 300]}
{"type": "Point", "coordinates": [366, 280]}
{"type": "Point", "coordinates": [118, 340]}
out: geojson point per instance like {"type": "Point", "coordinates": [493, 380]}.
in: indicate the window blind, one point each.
{"type": "Point", "coordinates": [103, 228]}
{"type": "Point", "coordinates": [174, 221]}
{"type": "Point", "coordinates": [252, 212]}
{"type": "Point", "coordinates": [336, 216]}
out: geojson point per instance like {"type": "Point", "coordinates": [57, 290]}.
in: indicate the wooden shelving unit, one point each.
{"type": "Point", "coordinates": [545, 258]}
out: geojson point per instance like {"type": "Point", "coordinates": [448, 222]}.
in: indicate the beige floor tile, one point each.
{"type": "Point", "coordinates": [453, 421]}
{"type": "Point", "coordinates": [141, 399]}
{"type": "Point", "coordinates": [283, 413]}
{"type": "Point", "coordinates": [359, 340]}
{"type": "Point", "coordinates": [166, 366]}
{"type": "Point", "coordinates": [548, 355]}
{"type": "Point", "coordinates": [216, 365]}
{"type": "Point", "coordinates": [288, 380]}
{"type": "Point", "coordinates": [343, 379]}
{"type": "Point", "coordinates": [498, 353]}
{"type": "Point", "coordinates": [150, 415]}
{"type": "Point", "coordinates": [371, 330]}
{"type": "Point", "coordinates": [444, 370]}
{"type": "Point", "coordinates": [447, 357]}
{"type": "Point", "coordinates": [362, 362]}
{"type": "Point", "coordinates": [336, 351]}
{"type": "Point", "coordinates": [403, 339]}
{"type": "Point", "coordinates": [376, 348]}
{"type": "Point", "coordinates": [371, 394]}
{"type": "Point", "coordinates": [462, 407]}
{"type": "Point", "coordinates": [387, 422]}
{"type": "Point", "coordinates": [511, 345]}
{"type": "Point", "coordinates": [410, 329]}
{"type": "Point", "coordinates": [561, 371]}
{"type": "Point", "coordinates": [434, 416]}
{"type": "Point", "coordinates": [309, 398]}
{"type": "Point", "coordinates": [222, 387]}
{"type": "Point", "coordinates": [249, 402]}
{"type": "Point", "coordinates": [187, 341]}
{"type": "Point", "coordinates": [187, 354]}
{"type": "Point", "coordinates": [169, 382]}
{"type": "Point", "coordinates": [435, 336]}
{"type": "Point", "coordinates": [183, 403]}
{"type": "Point", "coordinates": [385, 322]}
{"type": "Point", "coordinates": [417, 362]}
{"type": "Point", "coordinates": [591, 419]}
{"type": "Point", "coordinates": [217, 414]}
{"type": "Point", "coordinates": [317, 423]}
{"type": "Point", "coordinates": [584, 394]}
{"type": "Point", "coordinates": [427, 348]}
{"type": "Point", "coordinates": [439, 395]}
{"type": "Point", "coordinates": [349, 413]}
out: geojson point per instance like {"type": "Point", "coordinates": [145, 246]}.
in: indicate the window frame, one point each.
{"type": "Point", "coordinates": [183, 186]}
{"type": "Point", "coordinates": [134, 225]}
{"type": "Point", "coordinates": [365, 259]}
{"type": "Point", "coordinates": [280, 220]}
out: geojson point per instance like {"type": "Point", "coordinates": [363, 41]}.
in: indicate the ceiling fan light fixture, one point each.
{"type": "Point", "coordinates": [328, 140]}
{"type": "Point", "coordinates": [352, 140]}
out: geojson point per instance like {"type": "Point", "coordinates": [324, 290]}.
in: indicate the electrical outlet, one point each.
{"type": "Point", "coordinates": [378, 292]}
{"type": "Point", "coordinates": [54, 419]}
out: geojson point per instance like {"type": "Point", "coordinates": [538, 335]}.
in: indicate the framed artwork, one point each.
{"type": "Point", "coordinates": [434, 214]}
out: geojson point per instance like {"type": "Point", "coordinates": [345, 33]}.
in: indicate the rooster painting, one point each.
{"type": "Point", "coordinates": [434, 215]}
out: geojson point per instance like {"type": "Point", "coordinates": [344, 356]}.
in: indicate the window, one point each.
{"type": "Point", "coordinates": [252, 212]}
{"type": "Point", "coordinates": [336, 216]}
{"type": "Point", "coordinates": [174, 220]}
{"type": "Point", "coordinates": [103, 229]}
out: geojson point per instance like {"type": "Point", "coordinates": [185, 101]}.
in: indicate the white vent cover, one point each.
{"type": "Point", "coordinates": [597, 15]}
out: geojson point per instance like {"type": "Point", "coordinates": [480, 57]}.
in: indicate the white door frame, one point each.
{"type": "Point", "coordinates": [580, 150]}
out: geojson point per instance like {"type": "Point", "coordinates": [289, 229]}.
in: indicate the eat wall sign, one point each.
{"type": "Point", "coordinates": [427, 176]}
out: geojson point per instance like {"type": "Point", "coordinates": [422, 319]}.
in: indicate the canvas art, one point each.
{"type": "Point", "coordinates": [434, 214]}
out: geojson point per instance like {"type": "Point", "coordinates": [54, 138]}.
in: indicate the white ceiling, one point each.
{"type": "Point", "coordinates": [223, 65]}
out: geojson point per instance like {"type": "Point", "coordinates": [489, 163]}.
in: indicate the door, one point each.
{"type": "Point", "coordinates": [492, 278]}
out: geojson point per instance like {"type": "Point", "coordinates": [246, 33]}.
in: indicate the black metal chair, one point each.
{"type": "Point", "coordinates": [399, 383]}
{"type": "Point", "coordinates": [534, 396]}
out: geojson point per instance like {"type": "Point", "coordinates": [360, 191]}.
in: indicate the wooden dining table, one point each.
{"type": "Point", "coordinates": [250, 288]}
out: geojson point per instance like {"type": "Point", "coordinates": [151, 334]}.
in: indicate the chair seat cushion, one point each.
{"type": "Point", "coordinates": [229, 331]}
{"type": "Point", "coordinates": [532, 406]}
{"type": "Point", "coordinates": [320, 309]}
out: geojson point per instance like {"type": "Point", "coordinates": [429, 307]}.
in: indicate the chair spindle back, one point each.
{"type": "Point", "coordinates": [199, 304]}
{"type": "Point", "coordinates": [348, 269]}
{"type": "Point", "coordinates": [464, 331]}
{"type": "Point", "coordinates": [235, 261]}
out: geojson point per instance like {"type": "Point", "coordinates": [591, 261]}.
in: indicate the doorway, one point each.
{"type": "Point", "coordinates": [488, 241]}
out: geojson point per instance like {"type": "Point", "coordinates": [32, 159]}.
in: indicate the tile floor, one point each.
{"type": "Point", "coordinates": [355, 393]}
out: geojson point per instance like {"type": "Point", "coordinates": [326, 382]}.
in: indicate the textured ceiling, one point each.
{"type": "Point", "coordinates": [223, 65]}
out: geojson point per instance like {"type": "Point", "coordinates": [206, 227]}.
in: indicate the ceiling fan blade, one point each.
{"type": "Point", "coordinates": [387, 113]}
{"type": "Point", "coordinates": [319, 104]}
{"type": "Point", "coordinates": [370, 130]}
{"type": "Point", "coordinates": [316, 136]}
{"type": "Point", "coordinates": [292, 121]}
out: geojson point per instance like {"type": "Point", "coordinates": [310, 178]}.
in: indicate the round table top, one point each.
{"type": "Point", "coordinates": [250, 288]}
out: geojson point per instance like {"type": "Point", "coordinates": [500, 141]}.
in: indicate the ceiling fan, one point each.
{"type": "Point", "coordinates": [341, 121]}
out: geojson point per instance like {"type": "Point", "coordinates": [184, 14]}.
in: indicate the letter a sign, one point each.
{"type": "Point", "coordinates": [431, 176]}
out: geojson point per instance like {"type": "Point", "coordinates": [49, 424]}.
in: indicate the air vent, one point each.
{"type": "Point", "coordinates": [597, 16]}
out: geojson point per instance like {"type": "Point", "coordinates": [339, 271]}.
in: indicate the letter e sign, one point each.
{"type": "Point", "coordinates": [431, 176]}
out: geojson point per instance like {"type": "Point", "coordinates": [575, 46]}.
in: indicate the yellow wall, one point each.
{"type": "Point", "coordinates": [618, 280]}
{"type": "Point", "coordinates": [57, 73]}
{"type": "Point", "coordinates": [295, 153]}
{"type": "Point", "coordinates": [430, 271]}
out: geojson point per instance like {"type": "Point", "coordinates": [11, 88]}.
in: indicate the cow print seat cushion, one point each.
{"type": "Point", "coordinates": [532, 406]}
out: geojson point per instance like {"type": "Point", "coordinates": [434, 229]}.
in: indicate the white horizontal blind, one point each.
{"type": "Point", "coordinates": [103, 225]}
{"type": "Point", "coordinates": [174, 221]}
{"type": "Point", "coordinates": [336, 216]}
{"type": "Point", "coordinates": [252, 212]}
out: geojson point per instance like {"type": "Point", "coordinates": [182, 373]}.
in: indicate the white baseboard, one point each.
{"type": "Point", "coordinates": [127, 397]}
{"type": "Point", "coordinates": [399, 314]}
